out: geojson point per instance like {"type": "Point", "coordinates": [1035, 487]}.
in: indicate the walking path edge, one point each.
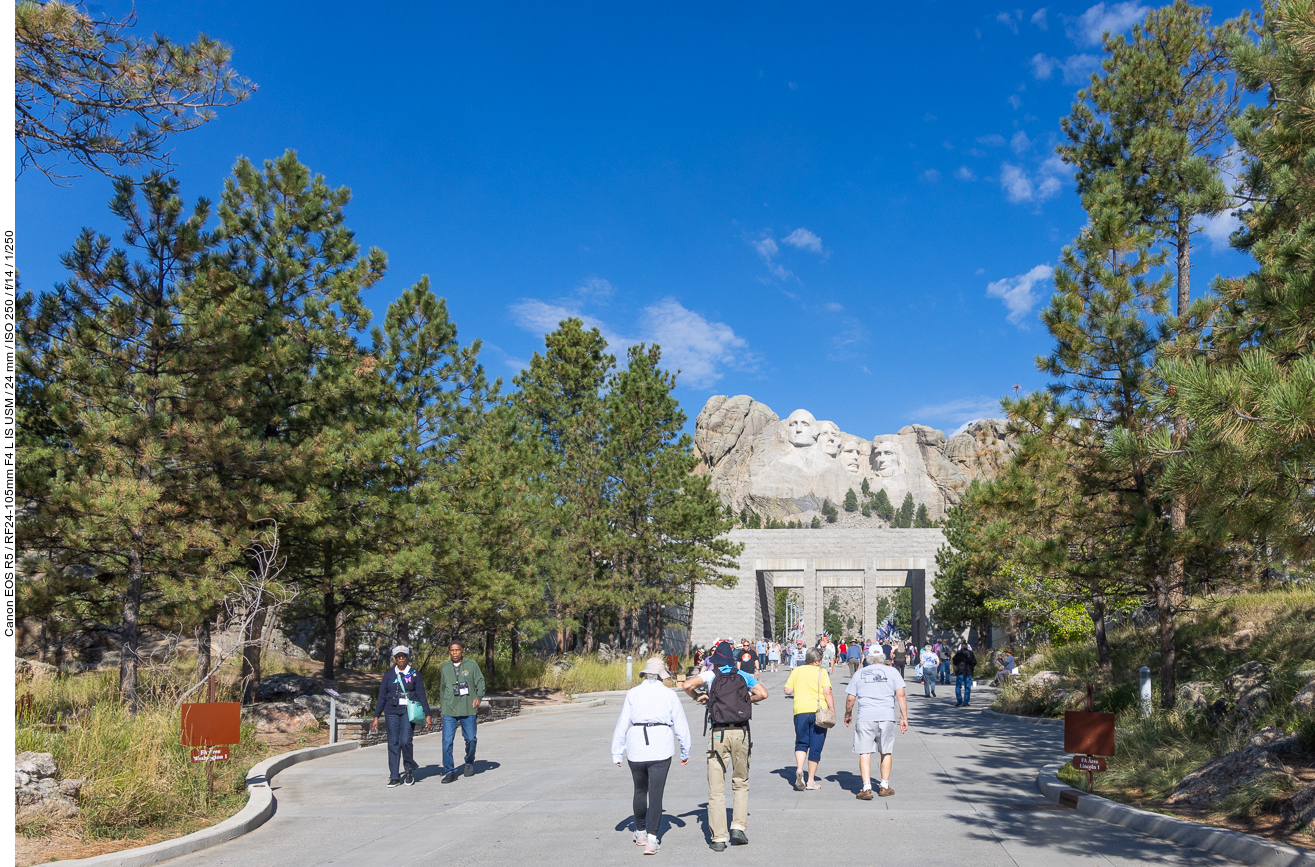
{"type": "Point", "coordinates": [259, 807]}
{"type": "Point", "coordinates": [1247, 848]}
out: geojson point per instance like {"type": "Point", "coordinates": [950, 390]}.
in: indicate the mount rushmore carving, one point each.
{"type": "Point", "coordinates": [786, 469]}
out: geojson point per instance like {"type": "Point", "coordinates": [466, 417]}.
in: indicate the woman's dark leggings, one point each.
{"type": "Point", "coordinates": [650, 780]}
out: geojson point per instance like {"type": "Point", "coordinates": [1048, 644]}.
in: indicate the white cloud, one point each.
{"type": "Point", "coordinates": [692, 344]}
{"type": "Point", "coordinates": [1021, 186]}
{"type": "Point", "coordinates": [963, 411]}
{"type": "Point", "coordinates": [833, 307]}
{"type": "Point", "coordinates": [931, 175]}
{"type": "Point", "coordinates": [1017, 292]}
{"type": "Point", "coordinates": [595, 288]}
{"type": "Point", "coordinates": [965, 174]}
{"type": "Point", "coordinates": [1014, 101]}
{"type": "Point", "coordinates": [768, 251]}
{"type": "Point", "coordinates": [803, 239]}
{"type": "Point", "coordinates": [540, 317]}
{"type": "Point", "coordinates": [1089, 27]}
{"type": "Point", "coordinates": [1020, 143]}
{"type": "Point", "coordinates": [1078, 68]}
{"type": "Point", "coordinates": [1039, 18]}
{"type": "Point", "coordinates": [994, 139]}
{"type": "Point", "coordinates": [1007, 19]}
{"type": "Point", "coordinates": [1043, 67]}
{"type": "Point", "coordinates": [1219, 228]}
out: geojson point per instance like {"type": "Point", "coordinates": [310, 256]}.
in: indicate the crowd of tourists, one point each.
{"type": "Point", "coordinates": [725, 681]}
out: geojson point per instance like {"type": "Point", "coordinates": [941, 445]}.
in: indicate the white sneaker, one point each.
{"type": "Point", "coordinates": [641, 838]}
{"type": "Point", "coordinates": [652, 847]}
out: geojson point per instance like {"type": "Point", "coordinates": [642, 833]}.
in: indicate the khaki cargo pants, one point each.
{"type": "Point", "coordinates": [729, 750]}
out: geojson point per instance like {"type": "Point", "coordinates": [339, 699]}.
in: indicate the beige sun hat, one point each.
{"type": "Point", "coordinates": [656, 666]}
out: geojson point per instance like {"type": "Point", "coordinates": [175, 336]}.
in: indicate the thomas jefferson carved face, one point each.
{"type": "Point", "coordinates": [828, 438]}
{"type": "Point", "coordinates": [802, 428]}
{"type": "Point", "coordinates": [852, 453]}
{"type": "Point", "coordinates": [886, 459]}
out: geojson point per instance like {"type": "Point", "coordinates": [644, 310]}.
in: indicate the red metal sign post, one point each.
{"type": "Point", "coordinates": [1089, 734]}
{"type": "Point", "coordinates": [212, 726]}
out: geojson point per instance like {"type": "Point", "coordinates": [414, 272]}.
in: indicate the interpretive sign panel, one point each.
{"type": "Point", "coordinates": [1089, 732]}
{"type": "Point", "coordinates": [212, 723]}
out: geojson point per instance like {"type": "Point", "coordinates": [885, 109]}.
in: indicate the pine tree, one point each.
{"type": "Point", "coordinates": [561, 397]}
{"type": "Point", "coordinates": [965, 564]}
{"type": "Point", "coordinates": [851, 500]}
{"type": "Point", "coordinates": [882, 506]}
{"type": "Point", "coordinates": [1146, 140]}
{"type": "Point", "coordinates": [866, 489]}
{"type": "Point", "coordinates": [816, 523]}
{"type": "Point", "coordinates": [131, 518]}
{"type": "Point", "coordinates": [866, 509]}
{"type": "Point", "coordinates": [922, 519]}
{"type": "Point", "coordinates": [829, 512]}
{"type": "Point", "coordinates": [904, 518]}
{"type": "Point", "coordinates": [1248, 463]}
{"type": "Point", "coordinates": [668, 532]}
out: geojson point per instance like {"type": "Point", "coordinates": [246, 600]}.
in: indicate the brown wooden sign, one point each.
{"type": "Point", "coordinates": [212, 724]}
{"type": "Point", "coordinates": [210, 754]}
{"type": "Point", "coordinates": [1089, 733]}
{"type": "Point", "coordinates": [1089, 763]}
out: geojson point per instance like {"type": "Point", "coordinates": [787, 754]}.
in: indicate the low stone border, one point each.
{"type": "Point", "coordinates": [1031, 720]}
{"type": "Point", "coordinates": [260, 806]}
{"type": "Point", "coordinates": [1246, 848]}
{"type": "Point", "coordinates": [557, 708]}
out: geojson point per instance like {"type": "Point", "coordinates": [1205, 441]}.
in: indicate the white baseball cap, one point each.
{"type": "Point", "coordinates": [401, 648]}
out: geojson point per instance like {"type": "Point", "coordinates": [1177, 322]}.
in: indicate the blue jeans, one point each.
{"type": "Point", "coordinates": [945, 672]}
{"type": "Point", "coordinates": [928, 680]}
{"type": "Point", "coordinates": [963, 688]}
{"type": "Point", "coordinates": [401, 749]}
{"type": "Point", "coordinates": [808, 738]}
{"type": "Point", "coordinates": [450, 724]}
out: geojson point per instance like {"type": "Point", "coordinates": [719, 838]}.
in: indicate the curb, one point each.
{"type": "Point", "coordinates": [260, 806]}
{"type": "Point", "coordinates": [1031, 720]}
{"type": "Point", "coordinates": [558, 708]}
{"type": "Point", "coordinates": [1245, 848]}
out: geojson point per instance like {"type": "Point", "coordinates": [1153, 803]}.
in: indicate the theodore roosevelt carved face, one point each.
{"type": "Point", "coordinates": [886, 459]}
{"type": "Point", "coordinates": [853, 451]}
{"type": "Point", "coordinates": [828, 438]}
{"type": "Point", "coordinates": [802, 428]}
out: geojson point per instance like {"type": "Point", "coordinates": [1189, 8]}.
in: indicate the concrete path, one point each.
{"type": "Point", "coordinates": [545, 791]}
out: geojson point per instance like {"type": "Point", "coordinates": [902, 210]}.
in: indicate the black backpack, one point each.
{"type": "Point", "coordinates": [728, 699]}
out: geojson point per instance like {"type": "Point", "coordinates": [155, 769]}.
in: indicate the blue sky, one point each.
{"type": "Point", "coordinates": [851, 208]}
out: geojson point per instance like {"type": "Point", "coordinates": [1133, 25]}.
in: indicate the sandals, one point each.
{"type": "Point", "coordinates": [811, 788]}
{"type": "Point", "coordinates": [798, 781]}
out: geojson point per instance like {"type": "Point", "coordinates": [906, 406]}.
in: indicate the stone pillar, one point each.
{"type": "Point", "coordinates": [765, 623]}
{"type": "Point", "coordinates": [918, 583]}
{"type": "Point", "coordinates": [869, 599]}
{"type": "Point", "coordinates": [812, 603]}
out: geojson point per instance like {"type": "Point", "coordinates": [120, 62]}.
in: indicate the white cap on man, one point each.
{"type": "Point", "coordinates": [401, 650]}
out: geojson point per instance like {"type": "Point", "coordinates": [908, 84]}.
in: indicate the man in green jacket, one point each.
{"type": "Point", "coordinates": [460, 688]}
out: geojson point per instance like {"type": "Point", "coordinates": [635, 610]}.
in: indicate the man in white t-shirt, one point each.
{"type": "Point", "coordinates": [876, 688]}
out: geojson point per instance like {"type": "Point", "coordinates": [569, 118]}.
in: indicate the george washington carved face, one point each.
{"type": "Point", "coordinates": [802, 428]}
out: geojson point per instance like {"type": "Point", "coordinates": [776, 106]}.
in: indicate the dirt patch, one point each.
{"type": "Point", "coordinates": [64, 844]}
{"type": "Point", "coordinates": [533, 696]}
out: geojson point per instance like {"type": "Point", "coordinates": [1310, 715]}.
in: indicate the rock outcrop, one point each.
{"type": "Point", "coordinates": [787, 468]}
{"type": "Point", "coordinates": [38, 794]}
{"type": "Point", "coordinates": [280, 716]}
{"type": "Point", "coordinates": [1228, 773]}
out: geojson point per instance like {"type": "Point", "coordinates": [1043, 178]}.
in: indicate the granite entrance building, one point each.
{"type": "Point", "coordinates": [876, 561]}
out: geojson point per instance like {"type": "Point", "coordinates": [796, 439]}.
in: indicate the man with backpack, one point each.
{"type": "Point", "coordinates": [964, 662]}
{"type": "Point", "coordinates": [730, 698]}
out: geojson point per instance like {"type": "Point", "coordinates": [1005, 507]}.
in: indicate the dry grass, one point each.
{"type": "Point", "coordinates": [136, 775]}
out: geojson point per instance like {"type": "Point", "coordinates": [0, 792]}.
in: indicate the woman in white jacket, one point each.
{"type": "Point", "coordinates": [649, 716]}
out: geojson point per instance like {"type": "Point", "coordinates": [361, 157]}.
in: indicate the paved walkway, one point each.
{"type": "Point", "coordinates": [546, 792]}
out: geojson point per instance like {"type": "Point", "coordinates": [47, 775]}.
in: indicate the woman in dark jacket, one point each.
{"type": "Point", "coordinates": [400, 685]}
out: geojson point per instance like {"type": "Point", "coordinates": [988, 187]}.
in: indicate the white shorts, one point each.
{"type": "Point", "coordinates": [875, 737]}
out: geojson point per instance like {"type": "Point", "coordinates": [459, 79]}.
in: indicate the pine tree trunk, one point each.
{"type": "Point", "coordinates": [489, 651]}
{"type": "Point", "coordinates": [330, 634]}
{"type": "Point", "coordinates": [203, 639]}
{"type": "Point", "coordinates": [252, 636]}
{"type": "Point", "coordinates": [1165, 608]}
{"type": "Point", "coordinates": [1102, 639]}
{"type": "Point", "coordinates": [589, 631]}
{"type": "Point", "coordinates": [515, 648]}
{"type": "Point", "coordinates": [132, 605]}
{"type": "Point", "coordinates": [1178, 507]}
{"type": "Point", "coordinates": [561, 637]}
{"type": "Point", "coordinates": [340, 640]}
